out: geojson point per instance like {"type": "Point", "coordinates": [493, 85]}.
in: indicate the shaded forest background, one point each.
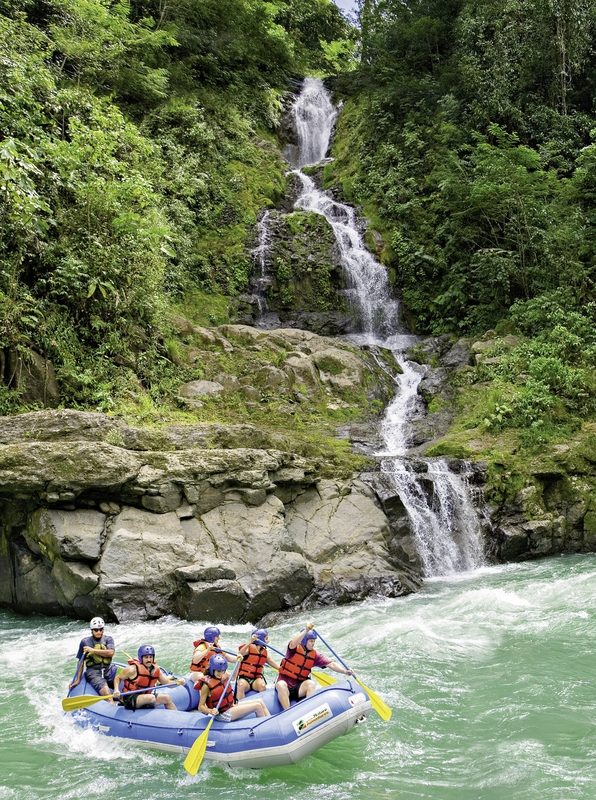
{"type": "Point", "coordinates": [138, 144]}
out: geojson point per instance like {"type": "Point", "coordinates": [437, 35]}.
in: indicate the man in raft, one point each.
{"type": "Point", "coordinates": [96, 653]}
{"type": "Point", "coordinates": [254, 658]}
{"type": "Point", "coordinates": [143, 673]}
{"type": "Point", "coordinates": [204, 648]}
{"type": "Point", "coordinates": [213, 685]}
{"type": "Point", "coordinates": [294, 681]}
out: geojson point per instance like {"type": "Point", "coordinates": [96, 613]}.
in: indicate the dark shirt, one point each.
{"type": "Point", "coordinates": [106, 642]}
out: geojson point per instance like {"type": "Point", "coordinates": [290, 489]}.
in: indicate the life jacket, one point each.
{"type": "Point", "coordinates": [204, 662]}
{"type": "Point", "coordinates": [298, 664]}
{"type": "Point", "coordinates": [144, 679]}
{"type": "Point", "coordinates": [216, 688]}
{"type": "Point", "coordinates": [253, 662]}
{"type": "Point", "coordinates": [92, 660]}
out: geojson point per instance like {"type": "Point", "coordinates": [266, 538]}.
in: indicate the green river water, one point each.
{"type": "Point", "coordinates": [491, 675]}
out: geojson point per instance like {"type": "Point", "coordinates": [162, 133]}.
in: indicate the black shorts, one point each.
{"type": "Point", "coordinates": [130, 701]}
{"type": "Point", "coordinates": [250, 681]}
{"type": "Point", "coordinates": [294, 692]}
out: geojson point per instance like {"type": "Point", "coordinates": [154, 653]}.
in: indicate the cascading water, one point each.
{"type": "Point", "coordinates": [444, 523]}
{"type": "Point", "coordinates": [265, 318]}
{"type": "Point", "coordinates": [314, 118]}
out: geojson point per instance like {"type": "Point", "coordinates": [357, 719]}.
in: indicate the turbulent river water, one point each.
{"type": "Point", "coordinates": [491, 675]}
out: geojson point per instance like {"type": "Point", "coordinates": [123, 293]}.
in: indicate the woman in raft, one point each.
{"type": "Point", "coordinates": [213, 685]}
{"type": "Point", "coordinates": [254, 657]}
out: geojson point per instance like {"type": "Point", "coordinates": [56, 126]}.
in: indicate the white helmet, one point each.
{"type": "Point", "coordinates": [97, 622]}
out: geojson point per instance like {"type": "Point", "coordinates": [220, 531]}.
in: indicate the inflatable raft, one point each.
{"type": "Point", "coordinates": [281, 739]}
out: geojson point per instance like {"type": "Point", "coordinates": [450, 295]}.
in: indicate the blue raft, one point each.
{"type": "Point", "coordinates": [281, 739]}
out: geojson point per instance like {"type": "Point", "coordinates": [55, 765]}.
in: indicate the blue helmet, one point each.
{"type": "Point", "coordinates": [308, 635]}
{"type": "Point", "coordinates": [211, 633]}
{"type": "Point", "coordinates": [260, 633]}
{"type": "Point", "coordinates": [217, 662]}
{"type": "Point", "coordinates": [145, 650]}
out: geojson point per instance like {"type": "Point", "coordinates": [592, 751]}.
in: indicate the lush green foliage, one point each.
{"type": "Point", "coordinates": [136, 150]}
{"type": "Point", "coordinates": [466, 137]}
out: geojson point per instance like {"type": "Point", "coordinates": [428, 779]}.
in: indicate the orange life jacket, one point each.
{"type": "Point", "coordinates": [144, 679]}
{"type": "Point", "coordinates": [204, 662]}
{"type": "Point", "coordinates": [297, 665]}
{"type": "Point", "coordinates": [216, 688]}
{"type": "Point", "coordinates": [253, 662]}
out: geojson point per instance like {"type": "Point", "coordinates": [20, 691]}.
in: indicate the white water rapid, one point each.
{"type": "Point", "coordinates": [444, 522]}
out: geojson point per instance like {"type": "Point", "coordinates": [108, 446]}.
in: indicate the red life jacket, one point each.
{"type": "Point", "coordinates": [216, 688]}
{"type": "Point", "coordinates": [144, 679]}
{"type": "Point", "coordinates": [253, 662]}
{"type": "Point", "coordinates": [297, 665]}
{"type": "Point", "coordinates": [204, 662]}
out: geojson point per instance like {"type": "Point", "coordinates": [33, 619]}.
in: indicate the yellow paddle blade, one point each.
{"type": "Point", "coordinates": [322, 679]}
{"type": "Point", "coordinates": [82, 701]}
{"type": "Point", "coordinates": [195, 755]}
{"type": "Point", "coordinates": [380, 706]}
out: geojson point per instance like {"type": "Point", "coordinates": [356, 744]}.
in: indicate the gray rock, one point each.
{"type": "Point", "coordinates": [458, 356]}
{"type": "Point", "coordinates": [194, 389]}
{"type": "Point", "coordinates": [70, 535]}
{"type": "Point", "coordinates": [74, 580]}
{"type": "Point", "coordinates": [220, 600]}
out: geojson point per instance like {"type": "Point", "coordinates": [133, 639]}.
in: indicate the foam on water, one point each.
{"type": "Point", "coordinates": [490, 678]}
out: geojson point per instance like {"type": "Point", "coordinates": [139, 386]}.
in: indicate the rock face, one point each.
{"type": "Point", "coordinates": [554, 513]}
{"type": "Point", "coordinates": [301, 277]}
{"type": "Point", "coordinates": [98, 517]}
{"type": "Point", "coordinates": [553, 510]}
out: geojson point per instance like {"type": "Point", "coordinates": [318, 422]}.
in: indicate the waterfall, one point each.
{"type": "Point", "coordinates": [368, 288]}
{"type": "Point", "coordinates": [260, 283]}
{"type": "Point", "coordinates": [314, 118]}
{"type": "Point", "coordinates": [443, 520]}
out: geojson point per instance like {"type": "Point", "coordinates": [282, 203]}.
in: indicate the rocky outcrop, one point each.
{"type": "Point", "coordinates": [554, 511]}
{"type": "Point", "coordinates": [99, 517]}
{"type": "Point", "coordinates": [300, 276]}
{"type": "Point", "coordinates": [32, 375]}
{"type": "Point", "coordinates": [540, 504]}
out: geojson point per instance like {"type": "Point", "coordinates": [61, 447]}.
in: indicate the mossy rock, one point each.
{"type": "Point", "coordinates": [304, 263]}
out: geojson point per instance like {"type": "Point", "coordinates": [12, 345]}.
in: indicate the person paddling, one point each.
{"type": "Point", "coordinates": [294, 681]}
{"type": "Point", "coordinates": [212, 686]}
{"type": "Point", "coordinates": [255, 656]}
{"type": "Point", "coordinates": [143, 673]}
{"type": "Point", "coordinates": [204, 649]}
{"type": "Point", "coordinates": [97, 651]}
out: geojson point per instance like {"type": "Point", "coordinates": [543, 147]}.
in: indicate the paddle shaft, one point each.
{"type": "Point", "coordinates": [379, 705]}
{"type": "Point", "coordinates": [264, 644]}
{"type": "Point", "coordinates": [139, 691]}
{"type": "Point", "coordinates": [194, 757]}
{"type": "Point", "coordinates": [333, 653]}
{"type": "Point", "coordinates": [83, 700]}
{"type": "Point", "coordinates": [76, 678]}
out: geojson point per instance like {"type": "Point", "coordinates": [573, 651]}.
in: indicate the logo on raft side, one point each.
{"type": "Point", "coordinates": [307, 723]}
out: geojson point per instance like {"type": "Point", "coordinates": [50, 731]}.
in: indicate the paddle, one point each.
{"type": "Point", "coordinates": [195, 755]}
{"type": "Point", "coordinates": [76, 678]}
{"type": "Point", "coordinates": [379, 705]}
{"type": "Point", "coordinates": [323, 680]}
{"type": "Point", "coordinates": [84, 700]}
